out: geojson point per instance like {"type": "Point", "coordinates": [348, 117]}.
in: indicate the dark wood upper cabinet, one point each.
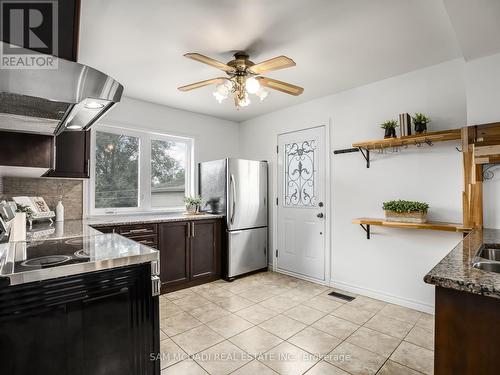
{"type": "Point", "coordinates": [26, 150]}
{"type": "Point", "coordinates": [72, 154]}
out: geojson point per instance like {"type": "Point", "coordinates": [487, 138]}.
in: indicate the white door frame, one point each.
{"type": "Point", "coordinates": [328, 206]}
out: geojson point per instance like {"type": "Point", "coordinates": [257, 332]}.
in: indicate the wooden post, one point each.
{"type": "Point", "coordinates": [472, 196]}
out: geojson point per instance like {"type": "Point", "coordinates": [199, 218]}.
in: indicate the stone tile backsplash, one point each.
{"type": "Point", "coordinates": [48, 188]}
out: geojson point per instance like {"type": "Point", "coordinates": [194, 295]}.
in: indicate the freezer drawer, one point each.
{"type": "Point", "coordinates": [247, 251]}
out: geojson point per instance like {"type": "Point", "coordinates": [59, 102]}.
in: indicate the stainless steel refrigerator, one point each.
{"type": "Point", "coordinates": [237, 188]}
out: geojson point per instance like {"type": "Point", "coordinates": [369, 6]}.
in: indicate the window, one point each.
{"type": "Point", "coordinates": [138, 171]}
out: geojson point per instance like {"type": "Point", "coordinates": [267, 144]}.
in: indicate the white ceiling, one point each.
{"type": "Point", "coordinates": [337, 44]}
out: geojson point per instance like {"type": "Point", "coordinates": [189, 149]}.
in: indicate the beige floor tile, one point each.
{"type": "Point", "coordinates": [393, 327]}
{"type": "Point", "coordinates": [288, 359]}
{"type": "Point", "coordinates": [163, 335]}
{"type": "Point", "coordinates": [355, 314]}
{"type": "Point", "coordinates": [402, 313]}
{"type": "Point", "coordinates": [215, 295]}
{"type": "Point", "coordinates": [207, 313]}
{"type": "Point", "coordinates": [197, 339]}
{"type": "Point", "coordinates": [394, 368]}
{"type": "Point", "coordinates": [279, 303]}
{"type": "Point", "coordinates": [168, 309]}
{"type": "Point", "coordinates": [171, 353]}
{"type": "Point", "coordinates": [421, 337]}
{"type": "Point", "coordinates": [374, 341]}
{"type": "Point", "coordinates": [178, 324]}
{"type": "Point", "coordinates": [256, 314]}
{"type": "Point", "coordinates": [255, 341]}
{"type": "Point", "coordinates": [311, 288]}
{"type": "Point", "coordinates": [282, 326]}
{"type": "Point", "coordinates": [256, 294]}
{"type": "Point", "coordinates": [414, 357]}
{"type": "Point", "coordinates": [369, 304]}
{"type": "Point", "coordinates": [172, 296]}
{"type": "Point", "coordinates": [278, 288]}
{"type": "Point", "coordinates": [337, 327]}
{"type": "Point", "coordinates": [230, 325]}
{"type": "Point", "coordinates": [191, 302]}
{"type": "Point", "coordinates": [304, 314]}
{"type": "Point", "coordinates": [323, 303]}
{"type": "Point", "coordinates": [222, 358]}
{"type": "Point", "coordinates": [426, 321]}
{"type": "Point", "coordinates": [234, 303]}
{"type": "Point", "coordinates": [298, 296]}
{"type": "Point", "coordinates": [355, 360]}
{"type": "Point", "coordinates": [325, 368]}
{"type": "Point", "coordinates": [184, 368]}
{"type": "Point", "coordinates": [254, 368]}
{"type": "Point", "coordinates": [315, 341]}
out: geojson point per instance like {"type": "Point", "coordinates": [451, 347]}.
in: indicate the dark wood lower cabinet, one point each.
{"type": "Point", "coordinates": [467, 333]}
{"type": "Point", "coordinates": [174, 254]}
{"type": "Point", "coordinates": [190, 253]}
{"type": "Point", "coordinates": [100, 323]}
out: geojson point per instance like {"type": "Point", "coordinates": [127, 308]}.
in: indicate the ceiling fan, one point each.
{"type": "Point", "coordinates": [244, 77]}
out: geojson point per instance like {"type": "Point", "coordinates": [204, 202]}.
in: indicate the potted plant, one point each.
{"type": "Point", "coordinates": [406, 211]}
{"type": "Point", "coordinates": [193, 204]}
{"type": "Point", "coordinates": [390, 128]}
{"type": "Point", "coordinates": [420, 120]}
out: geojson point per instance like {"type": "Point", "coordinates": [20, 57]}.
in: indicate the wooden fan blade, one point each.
{"type": "Point", "coordinates": [209, 61]}
{"type": "Point", "coordinates": [197, 85]}
{"type": "Point", "coordinates": [274, 84]}
{"type": "Point", "coordinates": [280, 62]}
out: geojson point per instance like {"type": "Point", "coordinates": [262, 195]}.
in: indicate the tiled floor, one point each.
{"type": "Point", "coordinates": [270, 323]}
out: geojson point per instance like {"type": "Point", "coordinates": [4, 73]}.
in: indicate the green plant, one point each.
{"type": "Point", "coordinates": [401, 206]}
{"type": "Point", "coordinates": [420, 118]}
{"type": "Point", "coordinates": [389, 124]}
{"type": "Point", "coordinates": [28, 211]}
{"type": "Point", "coordinates": [196, 201]}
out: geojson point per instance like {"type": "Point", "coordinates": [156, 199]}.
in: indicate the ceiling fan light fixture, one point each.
{"type": "Point", "coordinates": [245, 101]}
{"type": "Point", "coordinates": [252, 85]}
{"type": "Point", "coordinates": [262, 93]}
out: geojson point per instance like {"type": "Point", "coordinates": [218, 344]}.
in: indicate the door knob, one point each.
{"type": "Point", "coordinates": [320, 215]}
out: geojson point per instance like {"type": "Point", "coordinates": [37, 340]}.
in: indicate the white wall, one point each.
{"type": "Point", "coordinates": [214, 138]}
{"type": "Point", "coordinates": [392, 264]}
{"type": "Point", "coordinates": [483, 106]}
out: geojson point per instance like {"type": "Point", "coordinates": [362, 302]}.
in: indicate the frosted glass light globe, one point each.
{"type": "Point", "coordinates": [252, 85]}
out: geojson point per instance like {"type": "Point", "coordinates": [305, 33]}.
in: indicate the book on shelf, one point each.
{"type": "Point", "coordinates": [404, 124]}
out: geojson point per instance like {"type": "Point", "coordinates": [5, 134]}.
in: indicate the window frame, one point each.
{"type": "Point", "coordinates": [144, 183]}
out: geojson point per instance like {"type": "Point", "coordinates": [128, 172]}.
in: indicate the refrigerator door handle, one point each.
{"type": "Point", "coordinates": [233, 198]}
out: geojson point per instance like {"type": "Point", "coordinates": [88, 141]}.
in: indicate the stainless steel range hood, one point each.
{"type": "Point", "coordinates": [48, 101]}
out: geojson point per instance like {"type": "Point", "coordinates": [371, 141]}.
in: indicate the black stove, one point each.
{"type": "Point", "coordinates": [53, 253]}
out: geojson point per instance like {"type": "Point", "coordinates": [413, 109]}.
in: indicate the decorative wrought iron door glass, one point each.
{"type": "Point", "coordinates": [299, 174]}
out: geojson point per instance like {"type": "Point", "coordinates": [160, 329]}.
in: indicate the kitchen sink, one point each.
{"type": "Point", "coordinates": [488, 258]}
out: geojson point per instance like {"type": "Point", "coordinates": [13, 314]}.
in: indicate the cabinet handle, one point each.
{"type": "Point", "coordinates": [192, 230]}
{"type": "Point", "coordinates": [188, 229]}
{"type": "Point", "coordinates": [135, 231]}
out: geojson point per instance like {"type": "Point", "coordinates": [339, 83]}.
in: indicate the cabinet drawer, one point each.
{"type": "Point", "coordinates": [137, 230]}
{"type": "Point", "coordinates": [149, 240]}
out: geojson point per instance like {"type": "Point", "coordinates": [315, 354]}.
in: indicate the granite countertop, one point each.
{"type": "Point", "coordinates": [106, 251]}
{"type": "Point", "coordinates": [455, 271]}
{"type": "Point", "coordinates": [100, 221]}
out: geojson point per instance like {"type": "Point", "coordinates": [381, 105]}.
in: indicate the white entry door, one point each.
{"type": "Point", "coordinates": [301, 202]}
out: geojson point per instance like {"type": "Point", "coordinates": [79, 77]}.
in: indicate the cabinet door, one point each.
{"type": "Point", "coordinates": [72, 155]}
{"type": "Point", "coordinates": [205, 249]}
{"type": "Point", "coordinates": [174, 253]}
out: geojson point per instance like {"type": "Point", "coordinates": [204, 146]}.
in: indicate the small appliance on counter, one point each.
{"type": "Point", "coordinates": [237, 188]}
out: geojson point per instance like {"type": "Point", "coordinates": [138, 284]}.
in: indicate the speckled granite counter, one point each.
{"type": "Point", "coordinates": [455, 271]}
{"type": "Point", "coordinates": [100, 221]}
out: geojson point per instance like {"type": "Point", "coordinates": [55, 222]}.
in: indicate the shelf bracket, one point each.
{"type": "Point", "coordinates": [366, 228]}
{"type": "Point", "coordinates": [366, 154]}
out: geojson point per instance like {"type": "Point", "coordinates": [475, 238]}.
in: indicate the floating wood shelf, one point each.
{"type": "Point", "coordinates": [486, 153]}
{"type": "Point", "coordinates": [432, 137]}
{"type": "Point", "coordinates": [366, 222]}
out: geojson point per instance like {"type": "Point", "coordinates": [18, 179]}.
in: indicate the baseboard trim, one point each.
{"type": "Point", "coordinates": [302, 277]}
{"type": "Point", "coordinates": [410, 303]}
